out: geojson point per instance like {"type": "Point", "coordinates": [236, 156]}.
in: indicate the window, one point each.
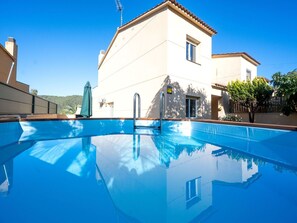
{"type": "Point", "coordinates": [193, 192]}
{"type": "Point", "coordinates": [249, 164]}
{"type": "Point", "coordinates": [191, 52]}
{"type": "Point", "coordinates": [191, 107]}
{"type": "Point", "coordinates": [248, 75]}
{"type": "Point", "coordinates": [191, 49]}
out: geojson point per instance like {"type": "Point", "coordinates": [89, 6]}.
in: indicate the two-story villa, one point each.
{"type": "Point", "coordinates": [165, 49]}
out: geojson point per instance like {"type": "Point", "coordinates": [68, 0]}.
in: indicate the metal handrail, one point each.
{"type": "Point", "coordinates": [136, 146]}
{"type": "Point", "coordinates": [136, 95]}
{"type": "Point", "coordinates": [162, 107]}
{"type": "Point", "coordinates": [6, 175]}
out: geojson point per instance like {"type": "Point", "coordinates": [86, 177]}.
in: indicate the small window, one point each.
{"type": "Point", "coordinates": [248, 75]}
{"type": "Point", "coordinates": [191, 49]}
{"type": "Point", "coordinates": [191, 107]}
{"type": "Point", "coordinates": [249, 164]}
{"type": "Point", "coordinates": [193, 192]}
{"type": "Point", "coordinates": [191, 52]}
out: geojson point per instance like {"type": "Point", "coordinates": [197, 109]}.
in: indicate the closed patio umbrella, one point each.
{"type": "Point", "coordinates": [86, 107]}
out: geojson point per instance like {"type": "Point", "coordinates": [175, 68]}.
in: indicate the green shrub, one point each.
{"type": "Point", "coordinates": [232, 117]}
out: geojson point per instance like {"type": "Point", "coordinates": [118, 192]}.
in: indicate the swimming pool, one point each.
{"type": "Point", "coordinates": [102, 171]}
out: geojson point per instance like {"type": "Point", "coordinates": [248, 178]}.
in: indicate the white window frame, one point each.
{"type": "Point", "coordinates": [248, 75]}
{"type": "Point", "coordinates": [191, 49]}
{"type": "Point", "coordinates": [193, 192]}
{"type": "Point", "coordinates": [189, 107]}
{"type": "Point", "coordinates": [249, 164]}
{"type": "Point", "coordinates": [191, 52]}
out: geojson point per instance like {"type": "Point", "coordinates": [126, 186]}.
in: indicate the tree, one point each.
{"type": "Point", "coordinates": [66, 104]}
{"type": "Point", "coordinates": [34, 92]}
{"type": "Point", "coordinates": [250, 94]}
{"type": "Point", "coordinates": [68, 110]}
{"type": "Point", "coordinates": [286, 87]}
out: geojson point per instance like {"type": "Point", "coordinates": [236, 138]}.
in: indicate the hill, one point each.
{"type": "Point", "coordinates": [66, 104]}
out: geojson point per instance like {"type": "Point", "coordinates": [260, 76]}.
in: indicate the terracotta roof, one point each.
{"type": "Point", "coordinates": [238, 54]}
{"type": "Point", "coordinates": [166, 4]}
{"type": "Point", "coordinates": [178, 8]}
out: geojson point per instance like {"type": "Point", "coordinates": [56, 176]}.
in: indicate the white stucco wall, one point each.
{"type": "Point", "coordinates": [194, 78]}
{"type": "Point", "coordinates": [184, 169]}
{"type": "Point", "coordinates": [247, 65]}
{"type": "Point", "coordinates": [136, 62]}
{"type": "Point", "coordinates": [234, 171]}
{"type": "Point", "coordinates": [147, 56]}
{"type": "Point", "coordinates": [228, 69]}
{"type": "Point", "coordinates": [161, 180]}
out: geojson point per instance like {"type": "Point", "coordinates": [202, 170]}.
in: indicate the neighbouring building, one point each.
{"type": "Point", "coordinates": [15, 98]}
{"type": "Point", "coordinates": [167, 49]}
{"type": "Point", "coordinates": [8, 65]}
{"type": "Point", "coordinates": [228, 67]}
{"type": "Point", "coordinates": [233, 66]}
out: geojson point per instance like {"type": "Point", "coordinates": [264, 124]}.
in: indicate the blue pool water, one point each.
{"type": "Point", "coordinates": [104, 172]}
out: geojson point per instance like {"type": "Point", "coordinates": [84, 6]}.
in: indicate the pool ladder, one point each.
{"type": "Point", "coordinates": [162, 111]}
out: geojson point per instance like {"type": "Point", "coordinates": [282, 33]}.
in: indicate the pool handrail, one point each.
{"type": "Point", "coordinates": [162, 107]}
{"type": "Point", "coordinates": [136, 96]}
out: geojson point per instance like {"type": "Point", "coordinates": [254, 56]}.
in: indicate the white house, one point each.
{"type": "Point", "coordinates": [229, 67]}
{"type": "Point", "coordinates": [233, 66]}
{"type": "Point", "coordinates": [166, 48]}
{"type": "Point", "coordinates": [183, 191]}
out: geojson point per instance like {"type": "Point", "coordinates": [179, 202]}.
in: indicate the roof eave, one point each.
{"type": "Point", "coordinates": [191, 18]}
{"type": "Point", "coordinates": [242, 54]}
{"type": "Point", "coordinates": [176, 7]}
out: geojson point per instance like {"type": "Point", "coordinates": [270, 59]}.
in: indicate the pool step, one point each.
{"type": "Point", "coordinates": [147, 127]}
{"type": "Point", "coordinates": [140, 130]}
{"type": "Point", "coordinates": [147, 123]}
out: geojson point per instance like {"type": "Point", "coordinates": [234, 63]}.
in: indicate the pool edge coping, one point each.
{"type": "Point", "coordinates": [247, 124]}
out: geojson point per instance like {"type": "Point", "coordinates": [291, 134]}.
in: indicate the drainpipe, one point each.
{"type": "Point", "coordinates": [12, 64]}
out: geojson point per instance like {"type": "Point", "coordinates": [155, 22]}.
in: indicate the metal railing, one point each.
{"type": "Point", "coordinates": [136, 96]}
{"type": "Point", "coordinates": [275, 104]}
{"type": "Point", "coordinates": [162, 109]}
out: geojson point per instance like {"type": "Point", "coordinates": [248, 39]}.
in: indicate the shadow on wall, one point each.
{"type": "Point", "coordinates": [175, 103]}
{"type": "Point", "coordinates": [225, 102]}
{"type": "Point", "coordinates": [203, 106]}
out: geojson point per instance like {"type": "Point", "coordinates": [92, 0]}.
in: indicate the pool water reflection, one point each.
{"type": "Point", "coordinates": [141, 178]}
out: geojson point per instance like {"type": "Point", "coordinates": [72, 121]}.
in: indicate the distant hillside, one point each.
{"type": "Point", "coordinates": [66, 104]}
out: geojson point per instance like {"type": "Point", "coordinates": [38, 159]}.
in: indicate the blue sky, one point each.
{"type": "Point", "coordinates": [59, 40]}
